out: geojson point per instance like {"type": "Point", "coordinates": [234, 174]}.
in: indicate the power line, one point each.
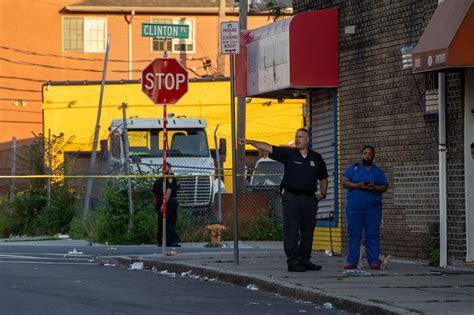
{"type": "Point", "coordinates": [25, 63]}
{"type": "Point", "coordinates": [21, 78]}
{"type": "Point", "coordinates": [29, 52]}
{"type": "Point", "coordinates": [19, 90]}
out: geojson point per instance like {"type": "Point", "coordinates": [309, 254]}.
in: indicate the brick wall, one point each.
{"type": "Point", "coordinates": [381, 105]}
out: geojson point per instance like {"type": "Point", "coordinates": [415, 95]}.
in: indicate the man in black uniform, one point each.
{"type": "Point", "coordinates": [172, 237]}
{"type": "Point", "coordinates": [303, 169]}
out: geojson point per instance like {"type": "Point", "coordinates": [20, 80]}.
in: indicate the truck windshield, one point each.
{"type": "Point", "coordinates": [181, 142]}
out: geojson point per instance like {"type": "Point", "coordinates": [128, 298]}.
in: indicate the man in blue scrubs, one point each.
{"type": "Point", "coordinates": [366, 183]}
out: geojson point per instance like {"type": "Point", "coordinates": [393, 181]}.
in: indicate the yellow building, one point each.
{"type": "Point", "coordinates": [72, 109]}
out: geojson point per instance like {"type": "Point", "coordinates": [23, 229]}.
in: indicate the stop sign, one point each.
{"type": "Point", "coordinates": [164, 81]}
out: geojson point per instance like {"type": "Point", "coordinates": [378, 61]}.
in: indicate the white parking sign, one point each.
{"type": "Point", "coordinates": [230, 38]}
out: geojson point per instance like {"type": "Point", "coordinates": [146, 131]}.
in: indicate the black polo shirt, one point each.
{"type": "Point", "coordinates": [301, 174]}
{"type": "Point", "coordinates": [171, 183]}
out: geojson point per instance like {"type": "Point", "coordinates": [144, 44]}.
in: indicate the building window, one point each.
{"type": "Point", "coordinates": [431, 94]}
{"type": "Point", "coordinates": [159, 44]}
{"type": "Point", "coordinates": [84, 34]}
{"type": "Point", "coordinates": [175, 45]}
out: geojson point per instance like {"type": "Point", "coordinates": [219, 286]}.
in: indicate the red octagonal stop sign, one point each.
{"type": "Point", "coordinates": [164, 81]}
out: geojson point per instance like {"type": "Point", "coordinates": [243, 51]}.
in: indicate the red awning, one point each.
{"type": "Point", "coordinates": [448, 41]}
{"type": "Point", "coordinates": [289, 56]}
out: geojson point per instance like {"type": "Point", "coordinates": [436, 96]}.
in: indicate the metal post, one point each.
{"type": "Point", "coordinates": [241, 114]}
{"type": "Point", "coordinates": [234, 162]}
{"type": "Point", "coordinates": [96, 134]}
{"type": "Point", "coordinates": [127, 165]}
{"type": "Point", "coordinates": [12, 181]}
{"type": "Point", "coordinates": [443, 195]}
{"type": "Point", "coordinates": [218, 175]}
{"type": "Point", "coordinates": [50, 168]}
{"type": "Point", "coordinates": [165, 145]}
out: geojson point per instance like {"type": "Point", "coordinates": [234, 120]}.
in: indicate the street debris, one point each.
{"type": "Point", "coordinates": [328, 306]}
{"type": "Point", "coordinates": [252, 287]}
{"type": "Point", "coordinates": [172, 253]}
{"type": "Point", "coordinates": [109, 265]}
{"type": "Point", "coordinates": [136, 266]}
{"type": "Point", "coordinates": [110, 248]}
{"type": "Point", "coordinates": [301, 311]}
{"type": "Point", "coordinates": [166, 273]}
{"type": "Point", "coordinates": [327, 252]}
{"type": "Point", "coordinates": [186, 274]}
{"type": "Point", "coordinates": [357, 272]}
{"type": "Point", "coordinates": [72, 253]}
{"type": "Point", "coordinates": [254, 303]}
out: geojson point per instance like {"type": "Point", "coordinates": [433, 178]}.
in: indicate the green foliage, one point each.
{"type": "Point", "coordinates": [276, 11]}
{"type": "Point", "coordinates": [26, 212]}
{"type": "Point", "coordinates": [57, 217]}
{"type": "Point", "coordinates": [431, 243]}
{"type": "Point", "coordinates": [111, 220]}
{"type": "Point", "coordinates": [191, 227]}
{"type": "Point", "coordinates": [30, 215]}
{"type": "Point", "coordinates": [263, 228]}
{"type": "Point", "coordinates": [77, 230]}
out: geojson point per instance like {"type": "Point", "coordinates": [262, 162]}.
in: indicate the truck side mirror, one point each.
{"type": "Point", "coordinates": [222, 149]}
{"type": "Point", "coordinates": [104, 149]}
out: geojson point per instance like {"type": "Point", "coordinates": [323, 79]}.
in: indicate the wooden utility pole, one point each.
{"type": "Point", "coordinates": [220, 56]}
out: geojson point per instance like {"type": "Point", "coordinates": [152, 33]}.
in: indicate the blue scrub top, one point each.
{"type": "Point", "coordinates": [359, 199]}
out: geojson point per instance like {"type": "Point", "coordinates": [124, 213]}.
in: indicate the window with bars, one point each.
{"type": "Point", "coordinates": [431, 94]}
{"type": "Point", "coordinates": [84, 34]}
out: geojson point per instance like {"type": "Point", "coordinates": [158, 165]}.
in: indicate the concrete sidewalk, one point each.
{"type": "Point", "coordinates": [402, 288]}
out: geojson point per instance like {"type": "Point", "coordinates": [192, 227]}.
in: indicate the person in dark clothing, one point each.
{"type": "Point", "coordinates": [172, 237]}
{"type": "Point", "coordinates": [299, 186]}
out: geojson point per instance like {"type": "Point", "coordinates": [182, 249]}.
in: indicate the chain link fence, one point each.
{"type": "Point", "coordinates": [43, 188]}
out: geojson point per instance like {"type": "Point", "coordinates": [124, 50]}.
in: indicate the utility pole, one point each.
{"type": "Point", "coordinates": [240, 154]}
{"type": "Point", "coordinates": [220, 56]}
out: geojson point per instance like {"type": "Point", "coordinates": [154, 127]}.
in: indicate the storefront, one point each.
{"type": "Point", "coordinates": [446, 45]}
{"type": "Point", "coordinates": [293, 58]}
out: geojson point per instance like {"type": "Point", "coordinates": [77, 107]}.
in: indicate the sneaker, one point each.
{"type": "Point", "coordinates": [312, 267]}
{"type": "Point", "coordinates": [297, 268]}
{"type": "Point", "coordinates": [375, 266]}
{"type": "Point", "coordinates": [350, 266]}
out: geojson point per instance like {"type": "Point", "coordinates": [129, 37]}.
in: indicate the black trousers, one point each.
{"type": "Point", "coordinates": [171, 219]}
{"type": "Point", "coordinates": [299, 221]}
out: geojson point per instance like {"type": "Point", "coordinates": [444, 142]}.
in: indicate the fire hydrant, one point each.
{"type": "Point", "coordinates": [216, 233]}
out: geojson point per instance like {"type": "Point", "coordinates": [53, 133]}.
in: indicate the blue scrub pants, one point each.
{"type": "Point", "coordinates": [370, 221]}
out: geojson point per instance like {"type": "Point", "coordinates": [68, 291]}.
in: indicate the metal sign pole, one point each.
{"type": "Point", "coordinates": [234, 177]}
{"type": "Point", "coordinates": [165, 145]}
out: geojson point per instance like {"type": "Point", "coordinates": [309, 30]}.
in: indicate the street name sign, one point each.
{"type": "Point", "coordinates": [230, 38]}
{"type": "Point", "coordinates": [165, 30]}
{"type": "Point", "coordinates": [165, 81]}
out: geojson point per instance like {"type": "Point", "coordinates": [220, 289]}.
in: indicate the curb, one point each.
{"type": "Point", "coordinates": [266, 284]}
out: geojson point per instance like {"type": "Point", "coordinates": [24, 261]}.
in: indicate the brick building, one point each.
{"type": "Point", "coordinates": [379, 99]}
{"type": "Point", "coordinates": [383, 104]}
{"type": "Point", "coordinates": [64, 40]}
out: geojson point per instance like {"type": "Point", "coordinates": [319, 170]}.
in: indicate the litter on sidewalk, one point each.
{"type": "Point", "coordinates": [252, 287]}
{"type": "Point", "coordinates": [136, 266]}
{"type": "Point", "coordinates": [357, 272]}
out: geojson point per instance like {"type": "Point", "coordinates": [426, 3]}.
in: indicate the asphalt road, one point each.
{"type": "Point", "coordinates": [41, 279]}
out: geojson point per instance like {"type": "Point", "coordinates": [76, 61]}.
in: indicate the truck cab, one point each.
{"type": "Point", "coordinates": [187, 152]}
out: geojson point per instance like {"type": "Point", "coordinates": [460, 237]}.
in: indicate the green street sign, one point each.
{"type": "Point", "coordinates": [165, 30]}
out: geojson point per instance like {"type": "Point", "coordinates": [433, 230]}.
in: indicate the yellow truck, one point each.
{"type": "Point", "coordinates": [71, 108]}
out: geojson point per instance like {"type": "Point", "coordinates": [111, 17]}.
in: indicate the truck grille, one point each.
{"type": "Point", "coordinates": [195, 190]}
